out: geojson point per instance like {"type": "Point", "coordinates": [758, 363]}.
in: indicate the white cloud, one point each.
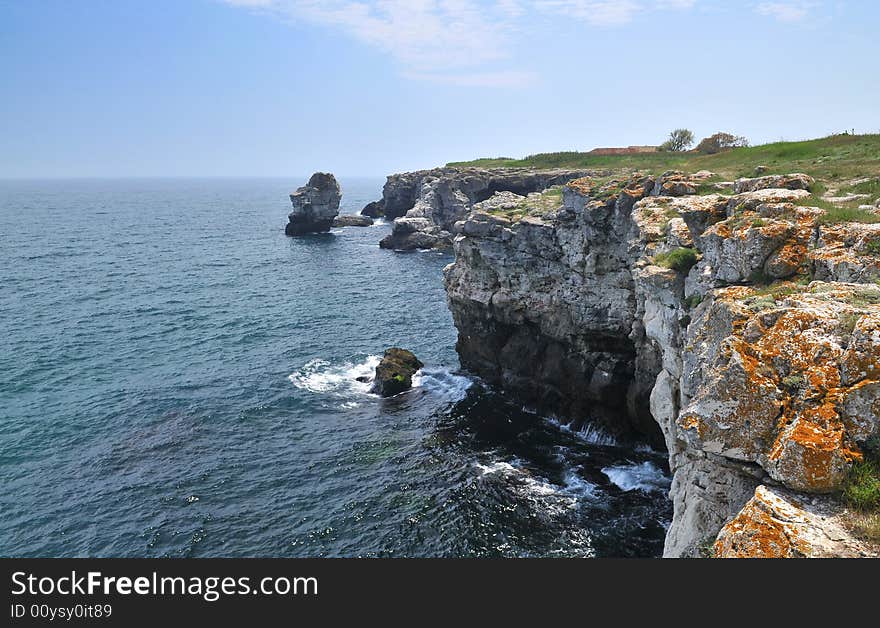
{"type": "Point", "coordinates": [596, 12]}
{"type": "Point", "coordinates": [676, 4]}
{"type": "Point", "coordinates": [458, 42]}
{"type": "Point", "coordinates": [785, 11]}
{"type": "Point", "coordinates": [419, 34]}
{"type": "Point", "coordinates": [503, 78]}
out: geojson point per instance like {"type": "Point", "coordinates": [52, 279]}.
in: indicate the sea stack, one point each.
{"type": "Point", "coordinates": [315, 205]}
{"type": "Point", "coordinates": [394, 373]}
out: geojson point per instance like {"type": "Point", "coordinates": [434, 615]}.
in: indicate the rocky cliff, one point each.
{"type": "Point", "coordinates": [426, 204]}
{"type": "Point", "coordinates": [740, 329]}
{"type": "Point", "coordinates": [315, 205]}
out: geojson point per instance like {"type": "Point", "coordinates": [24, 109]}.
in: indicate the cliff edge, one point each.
{"type": "Point", "coordinates": [737, 323]}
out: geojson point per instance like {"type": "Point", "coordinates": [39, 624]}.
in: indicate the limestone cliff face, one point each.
{"type": "Point", "coordinates": [425, 204]}
{"type": "Point", "coordinates": [738, 328]}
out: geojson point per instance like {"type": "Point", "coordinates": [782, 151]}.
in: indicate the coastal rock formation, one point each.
{"type": "Point", "coordinates": [426, 204]}
{"type": "Point", "coordinates": [742, 331]}
{"type": "Point", "coordinates": [395, 371]}
{"type": "Point", "coordinates": [373, 210]}
{"type": "Point", "coordinates": [776, 523]}
{"type": "Point", "coordinates": [352, 220]}
{"type": "Point", "coordinates": [795, 181]}
{"type": "Point", "coordinates": [315, 205]}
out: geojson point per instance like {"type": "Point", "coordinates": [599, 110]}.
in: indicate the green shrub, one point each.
{"type": "Point", "coordinates": [862, 489]}
{"type": "Point", "coordinates": [681, 259]}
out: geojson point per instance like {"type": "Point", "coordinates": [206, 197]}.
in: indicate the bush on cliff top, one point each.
{"type": "Point", "coordinates": [680, 259]}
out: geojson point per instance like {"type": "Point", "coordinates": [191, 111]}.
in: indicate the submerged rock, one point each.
{"type": "Point", "coordinates": [352, 220]}
{"type": "Point", "coordinates": [315, 205]}
{"type": "Point", "coordinates": [395, 371]}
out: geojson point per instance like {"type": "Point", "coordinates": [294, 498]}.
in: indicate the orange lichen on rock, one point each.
{"type": "Point", "coordinates": [759, 531]}
{"type": "Point", "coordinates": [582, 186]}
{"type": "Point", "coordinates": [779, 391]}
{"type": "Point", "coordinates": [775, 524]}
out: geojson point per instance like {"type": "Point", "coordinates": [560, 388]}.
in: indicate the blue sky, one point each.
{"type": "Point", "coordinates": [286, 87]}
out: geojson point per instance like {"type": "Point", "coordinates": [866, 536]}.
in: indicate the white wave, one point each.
{"type": "Point", "coordinates": [549, 497]}
{"type": "Point", "coordinates": [588, 433]}
{"type": "Point", "coordinates": [499, 467]}
{"type": "Point", "coordinates": [645, 476]}
{"type": "Point", "coordinates": [442, 381]}
{"type": "Point", "coordinates": [320, 376]}
{"type": "Point", "coordinates": [576, 485]}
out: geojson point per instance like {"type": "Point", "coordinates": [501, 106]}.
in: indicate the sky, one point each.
{"type": "Point", "coordinates": [120, 88]}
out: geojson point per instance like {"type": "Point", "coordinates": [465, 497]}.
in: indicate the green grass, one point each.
{"type": "Point", "coordinates": [871, 188]}
{"type": "Point", "coordinates": [862, 493]}
{"type": "Point", "coordinates": [866, 526]}
{"type": "Point", "coordinates": [835, 215]}
{"type": "Point", "coordinates": [838, 157]}
{"type": "Point", "coordinates": [550, 200]}
{"type": "Point", "coordinates": [680, 259]}
{"type": "Point", "coordinates": [862, 489]}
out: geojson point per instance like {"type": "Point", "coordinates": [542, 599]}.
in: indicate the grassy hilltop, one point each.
{"type": "Point", "coordinates": [838, 158]}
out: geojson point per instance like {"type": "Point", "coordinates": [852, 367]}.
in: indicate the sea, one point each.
{"type": "Point", "coordinates": [180, 379]}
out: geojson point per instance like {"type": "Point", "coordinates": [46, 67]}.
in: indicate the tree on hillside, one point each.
{"type": "Point", "coordinates": [721, 142]}
{"type": "Point", "coordinates": [679, 140]}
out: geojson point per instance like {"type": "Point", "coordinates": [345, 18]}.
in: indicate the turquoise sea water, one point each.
{"type": "Point", "coordinates": [178, 378]}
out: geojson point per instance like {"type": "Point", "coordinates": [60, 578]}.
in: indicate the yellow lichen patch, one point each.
{"type": "Point", "coordinates": [812, 453]}
{"type": "Point", "coordinates": [782, 378]}
{"type": "Point", "coordinates": [690, 422]}
{"type": "Point", "coordinates": [582, 186]}
{"type": "Point", "coordinates": [763, 529]}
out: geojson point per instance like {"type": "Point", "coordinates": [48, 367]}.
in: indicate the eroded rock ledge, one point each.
{"type": "Point", "coordinates": [740, 329]}
{"type": "Point", "coordinates": [426, 204]}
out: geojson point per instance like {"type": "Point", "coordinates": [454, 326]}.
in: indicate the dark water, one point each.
{"type": "Point", "coordinates": [177, 378]}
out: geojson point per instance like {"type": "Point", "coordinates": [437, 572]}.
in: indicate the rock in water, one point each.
{"type": "Point", "coordinates": [352, 220]}
{"type": "Point", "coordinates": [376, 209]}
{"type": "Point", "coordinates": [394, 373]}
{"type": "Point", "coordinates": [315, 205]}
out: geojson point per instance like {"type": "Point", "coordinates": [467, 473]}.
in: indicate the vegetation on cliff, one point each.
{"type": "Point", "coordinates": [837, 157]}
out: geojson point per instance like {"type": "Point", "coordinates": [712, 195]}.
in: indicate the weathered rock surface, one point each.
{"type": "Point", "coordinates": [776, 523]}
{"type": "Point", "coordinates": [426, 204]}
{"type": "Point", "coordinates": [747, 383]}
{"type": "Point", "coordinates": [795, 181]}
{"type": "Point", "coordinates": [395, 371]}
{"type": "Point", "coordinates": [352, 220]}
{"type": "Point", "coordinates": [315, 205]}
{"type": "Point", "coordinates": [373, 210]}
